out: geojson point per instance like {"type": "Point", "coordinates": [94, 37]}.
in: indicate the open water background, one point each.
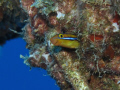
{"type": "Point", "coordinates": [15, 75]}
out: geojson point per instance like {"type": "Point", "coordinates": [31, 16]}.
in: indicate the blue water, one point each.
{"type": "Point", "coordinates": [15, 75]}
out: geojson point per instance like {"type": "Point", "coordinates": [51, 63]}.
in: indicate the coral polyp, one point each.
{"type": "Point", "coordinates": [76, 41]}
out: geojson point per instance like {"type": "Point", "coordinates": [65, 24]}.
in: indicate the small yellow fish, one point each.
{"type": "Point", "coordinates": [65, 40]}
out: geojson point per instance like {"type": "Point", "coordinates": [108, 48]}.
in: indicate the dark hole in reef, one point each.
{"type": "Point", "coordinates": [53, 14]}
{"type": "Point", "coordinates": [106, 58]}
{"type": "Point", "coordinates": [39, 39]}
{"type": "Point", "coordinates": [89, 80]}
{"type": "Point", "coordinates": [68, 49]}
{"type": "Point", "coordinates": [63, 30]}
{"type": "Point", "coordinates": [98, 74]}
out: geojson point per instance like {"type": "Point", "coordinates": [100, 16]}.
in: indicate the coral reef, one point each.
{"type": "Point", "coordinates": [93, 25]}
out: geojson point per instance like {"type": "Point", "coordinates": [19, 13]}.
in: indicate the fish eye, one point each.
{"type": "Point", "coordinates": [61, 36]}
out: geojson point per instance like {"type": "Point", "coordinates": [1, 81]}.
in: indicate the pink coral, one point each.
{"type": "Point", "coordinates": [39, 25]}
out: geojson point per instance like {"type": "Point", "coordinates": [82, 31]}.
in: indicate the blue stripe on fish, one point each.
{"type": "Point", "coordinates": [68, 38]}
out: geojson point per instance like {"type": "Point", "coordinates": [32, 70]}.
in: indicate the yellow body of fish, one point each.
{"type": "Point", "coordinates": [65, 40]}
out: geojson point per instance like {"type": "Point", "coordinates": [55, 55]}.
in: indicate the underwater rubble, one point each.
{"type": "Point", "coordinates": [76, 41]}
